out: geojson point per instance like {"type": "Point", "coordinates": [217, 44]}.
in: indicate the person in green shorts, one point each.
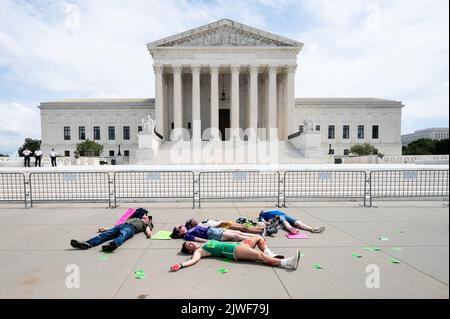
{"type": "Point", "coordinates": [244, 250]}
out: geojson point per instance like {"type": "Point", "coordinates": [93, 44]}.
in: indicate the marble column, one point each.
{"type": "Point", "coordinates": [196, 118]}
{"type": "Point", "coordinates": [159, 99]}
{"type": "Point", "coordinates": [177, 99]}
{"type": "Point", "coordinates": [214, 102]}
{"type": "Point", "coordinates": [253, 101]}
{"type": "Point", "coordinates": [235, 100]}
{"type": "Point", "coordinates": [290, 100]}
{"type": "Point", "coordinates": [272, 98]}
{"type": "Point", "coordinates": [282, 106]}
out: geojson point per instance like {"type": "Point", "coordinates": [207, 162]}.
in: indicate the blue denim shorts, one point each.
{"type": "Point", "coordinates": [291, 220]}
{"type": "Point", "coordinates": [215, 233]}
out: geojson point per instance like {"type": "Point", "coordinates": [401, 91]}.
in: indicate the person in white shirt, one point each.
{"type": "Point", "coordinates": [53, 155]}
{"type": "Point", "coordinates": [38, 157]}
{"type": "Point", "coordinates": [26, 156]}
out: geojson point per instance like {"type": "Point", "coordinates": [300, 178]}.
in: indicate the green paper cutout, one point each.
{"type": "Point", "coordinates": [222, 270]}
{"type": "Point", "coordinates": [356, 255]}
{"type": "Point", "coordinates": [302, 254]}
{"type": "Point", "coordinates": [139, 274]}
{"type": "Point", "coordinates": [372, 248]}
{"type": "Point", "coordinates": [397, 249]}
{"type": "Point", "coordinates": [103, 257]}
{"type": "Point", "coordinates": [395, 261]}
{"type": "Point", "coordinates": [318, 266]}
{"type": "Point", "coordinates": [383, 238]}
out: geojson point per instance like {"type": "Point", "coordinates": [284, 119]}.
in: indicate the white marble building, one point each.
{"type": "Point", "coordinates": [435, 133]}
{"type": "Point", "coordinates": [222, 75]}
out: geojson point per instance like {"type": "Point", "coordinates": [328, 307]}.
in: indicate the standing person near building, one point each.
{"type": "Point", "coordinates": [37, 158]}
{"type": "Point", "coordinates": [26, 157]}
{"type": "Point", "coordinates": [53, 155]}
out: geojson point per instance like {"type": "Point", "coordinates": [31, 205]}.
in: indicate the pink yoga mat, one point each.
{"type": "Point", "coordinates": [125, 216]}
{"type": "Point", "coordinates": [297, 236]}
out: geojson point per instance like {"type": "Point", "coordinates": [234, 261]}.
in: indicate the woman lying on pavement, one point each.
{"type": "Point", "coordinates": [225, 224]}
{"type": "Point", "coordinates": [245, 250]}
{"type": "Point", "coordinates": [204, 233]}
{"type": "Point", "coordinates": [290, 223]}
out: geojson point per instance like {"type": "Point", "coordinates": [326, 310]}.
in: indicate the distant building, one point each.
{"type": "Point", "coordinates": [430, 133]}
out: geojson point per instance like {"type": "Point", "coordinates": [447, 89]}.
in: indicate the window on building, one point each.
{"type": "Point", "coordinates": [111, 133]}
{"type": "Point", "coordinates": [139, 128]}
{"type": "Point", "coordinates": [111, 153]}
{"type": "Point", "coordinates": [67, 153]}
{"type": "Point", "coordinates": [318, 128]}
{"type": "Point", "coordinates": [81, 133]}
{"type": "Point", "coordinates": [172, 125]}
{"type": "Point", "coordinates": [346, 132]}
{"type": "Point", "coordinates": [126, 132]}
{"type": "Point", "coordinates": [67, 133]}
{"type": "Point", "coordinates": [331, 132]}
{"type": "Point", "coordinates": [331, 151]}
{"type": "Point", "coordinates": [96, 132]}
{"type": "Point", "coordinates": [360, 132]}
{"type": "Point", "coordinates": [126, 153]}
{"type": "Point", "coordinates": [346, 152]}
{"type": "Point", "coordinates": [375, 131]}
{"type": "Point", "coordinates": [300, 128]}
{"type": "Point", "coordinates": [189, 125]}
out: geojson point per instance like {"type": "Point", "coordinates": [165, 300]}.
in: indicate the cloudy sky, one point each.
{"type": "Point", "coordinates": [56, 49]}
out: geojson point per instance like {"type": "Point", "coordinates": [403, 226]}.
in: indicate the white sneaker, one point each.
{"type": "Point", "coordinates": [277, 256]}
{"type": "Point", "coordinates": [293, 261]}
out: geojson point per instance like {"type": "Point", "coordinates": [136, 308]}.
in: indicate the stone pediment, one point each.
{"type": "Point", "coordinates": [225, 33]}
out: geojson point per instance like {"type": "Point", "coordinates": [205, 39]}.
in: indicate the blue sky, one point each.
{"type": "Point", "coordinates": [50, 50]}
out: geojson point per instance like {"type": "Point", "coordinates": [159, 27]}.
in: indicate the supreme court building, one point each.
{"type": "Point", "coordinates": [222, 75]}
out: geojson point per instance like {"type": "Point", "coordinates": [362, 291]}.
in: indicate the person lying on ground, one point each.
{"type": "Point", "coordinates": [224, 224]}
{"type": "Point", "coordinates": [138, 213]}
{"type": "Point", "coordinates": [204, 233]}
{"type": "Point", "coordinates": [290, 223]}
{"type": "Point", "coordinates": [118, 234]}
{"type": "Point", "coordinates": [245, 250]}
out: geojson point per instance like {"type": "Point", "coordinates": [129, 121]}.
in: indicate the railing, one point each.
{"type": "Point", "coordinates": [217, 185]}
{"type": "Point", "coordinates": [408, 184]}
{"type": "Point", "coordinates": [239, 185]}
{"type": "Point", "coordinates": [307, 185]}
{"type": "Point", "coordinates": [13, 188]}
{"type": "Point", "coordinates": [70, 187]}
{"type": "Point", "coordinates": [154, 184]}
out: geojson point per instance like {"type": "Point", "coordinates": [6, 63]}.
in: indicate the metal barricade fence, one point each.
{"type": "Point", "coordinates": [408, 184]}
{"type": "Point", "coordinates": [13, 188]}
{"type": "Point", "coordinates": [70, 187]}
{"type": "Point", "coordinates": [324, 184]}
{"type": "Point", "coordinates": [239, 185]}
{"type": "Point", "coordinates": [154, 184]}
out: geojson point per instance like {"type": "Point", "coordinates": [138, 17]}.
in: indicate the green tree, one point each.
{"type": "Point", "coordinates": [31, 144]}
{"type": "Point", "coordinates": [423, 146]}
{"type": "Point", "coordinates": [442, 147]}
{"type": "Point", "coordinates": [89, 148]}
{"type": "Point", "coordinates": [363, 149]}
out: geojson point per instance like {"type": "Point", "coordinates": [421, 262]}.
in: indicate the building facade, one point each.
{"type": "Point", "coordinates": [224, 75]}
{"type": "Point", "coordinates": [430, 133]}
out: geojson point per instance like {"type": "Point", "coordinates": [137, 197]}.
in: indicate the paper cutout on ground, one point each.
{"type": "Point", "coordinates": [318, 266]}
{"type": "Point", "coordinates": [302, 254]}
{"type": "Point", "coordinates": [102, 257]}
{"type": "Point", "coordinates": [297, 236]}
{"type": "Point", "coordinates": [162, 235]}
{"type": "Point", "coordinates": [398, 231]}
{"type": "Point", "coordinates": [356, 255]}
{"type": "Point", "coordinates": [372, 249]}
{"type": "Point", "coordinates": [139, 274]}
{"type": "Point", "coordinates": [397, 249]}
{"type": "Point", "coordinates": [395, 261]}
{"type": "Point", "coordinates": [222, 270]}
{"type": "Point", "coordinates": [383, 238]}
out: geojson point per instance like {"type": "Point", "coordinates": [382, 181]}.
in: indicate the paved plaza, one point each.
{"type": "Point", "coordinates": [35, 253]}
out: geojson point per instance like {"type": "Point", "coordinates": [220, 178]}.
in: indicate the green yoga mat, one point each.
{"type": "Point", "coordinates": [162, 235]}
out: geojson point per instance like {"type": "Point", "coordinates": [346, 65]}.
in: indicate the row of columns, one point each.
{"type": "Point", "coordinates": [286, 112]}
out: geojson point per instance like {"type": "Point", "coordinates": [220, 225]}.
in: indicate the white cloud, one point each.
{"type": "Point", "coordinates": [381, 48]}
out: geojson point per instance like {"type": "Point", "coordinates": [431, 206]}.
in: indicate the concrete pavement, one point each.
{"type": "Point", "coordinates": [35, 253]}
